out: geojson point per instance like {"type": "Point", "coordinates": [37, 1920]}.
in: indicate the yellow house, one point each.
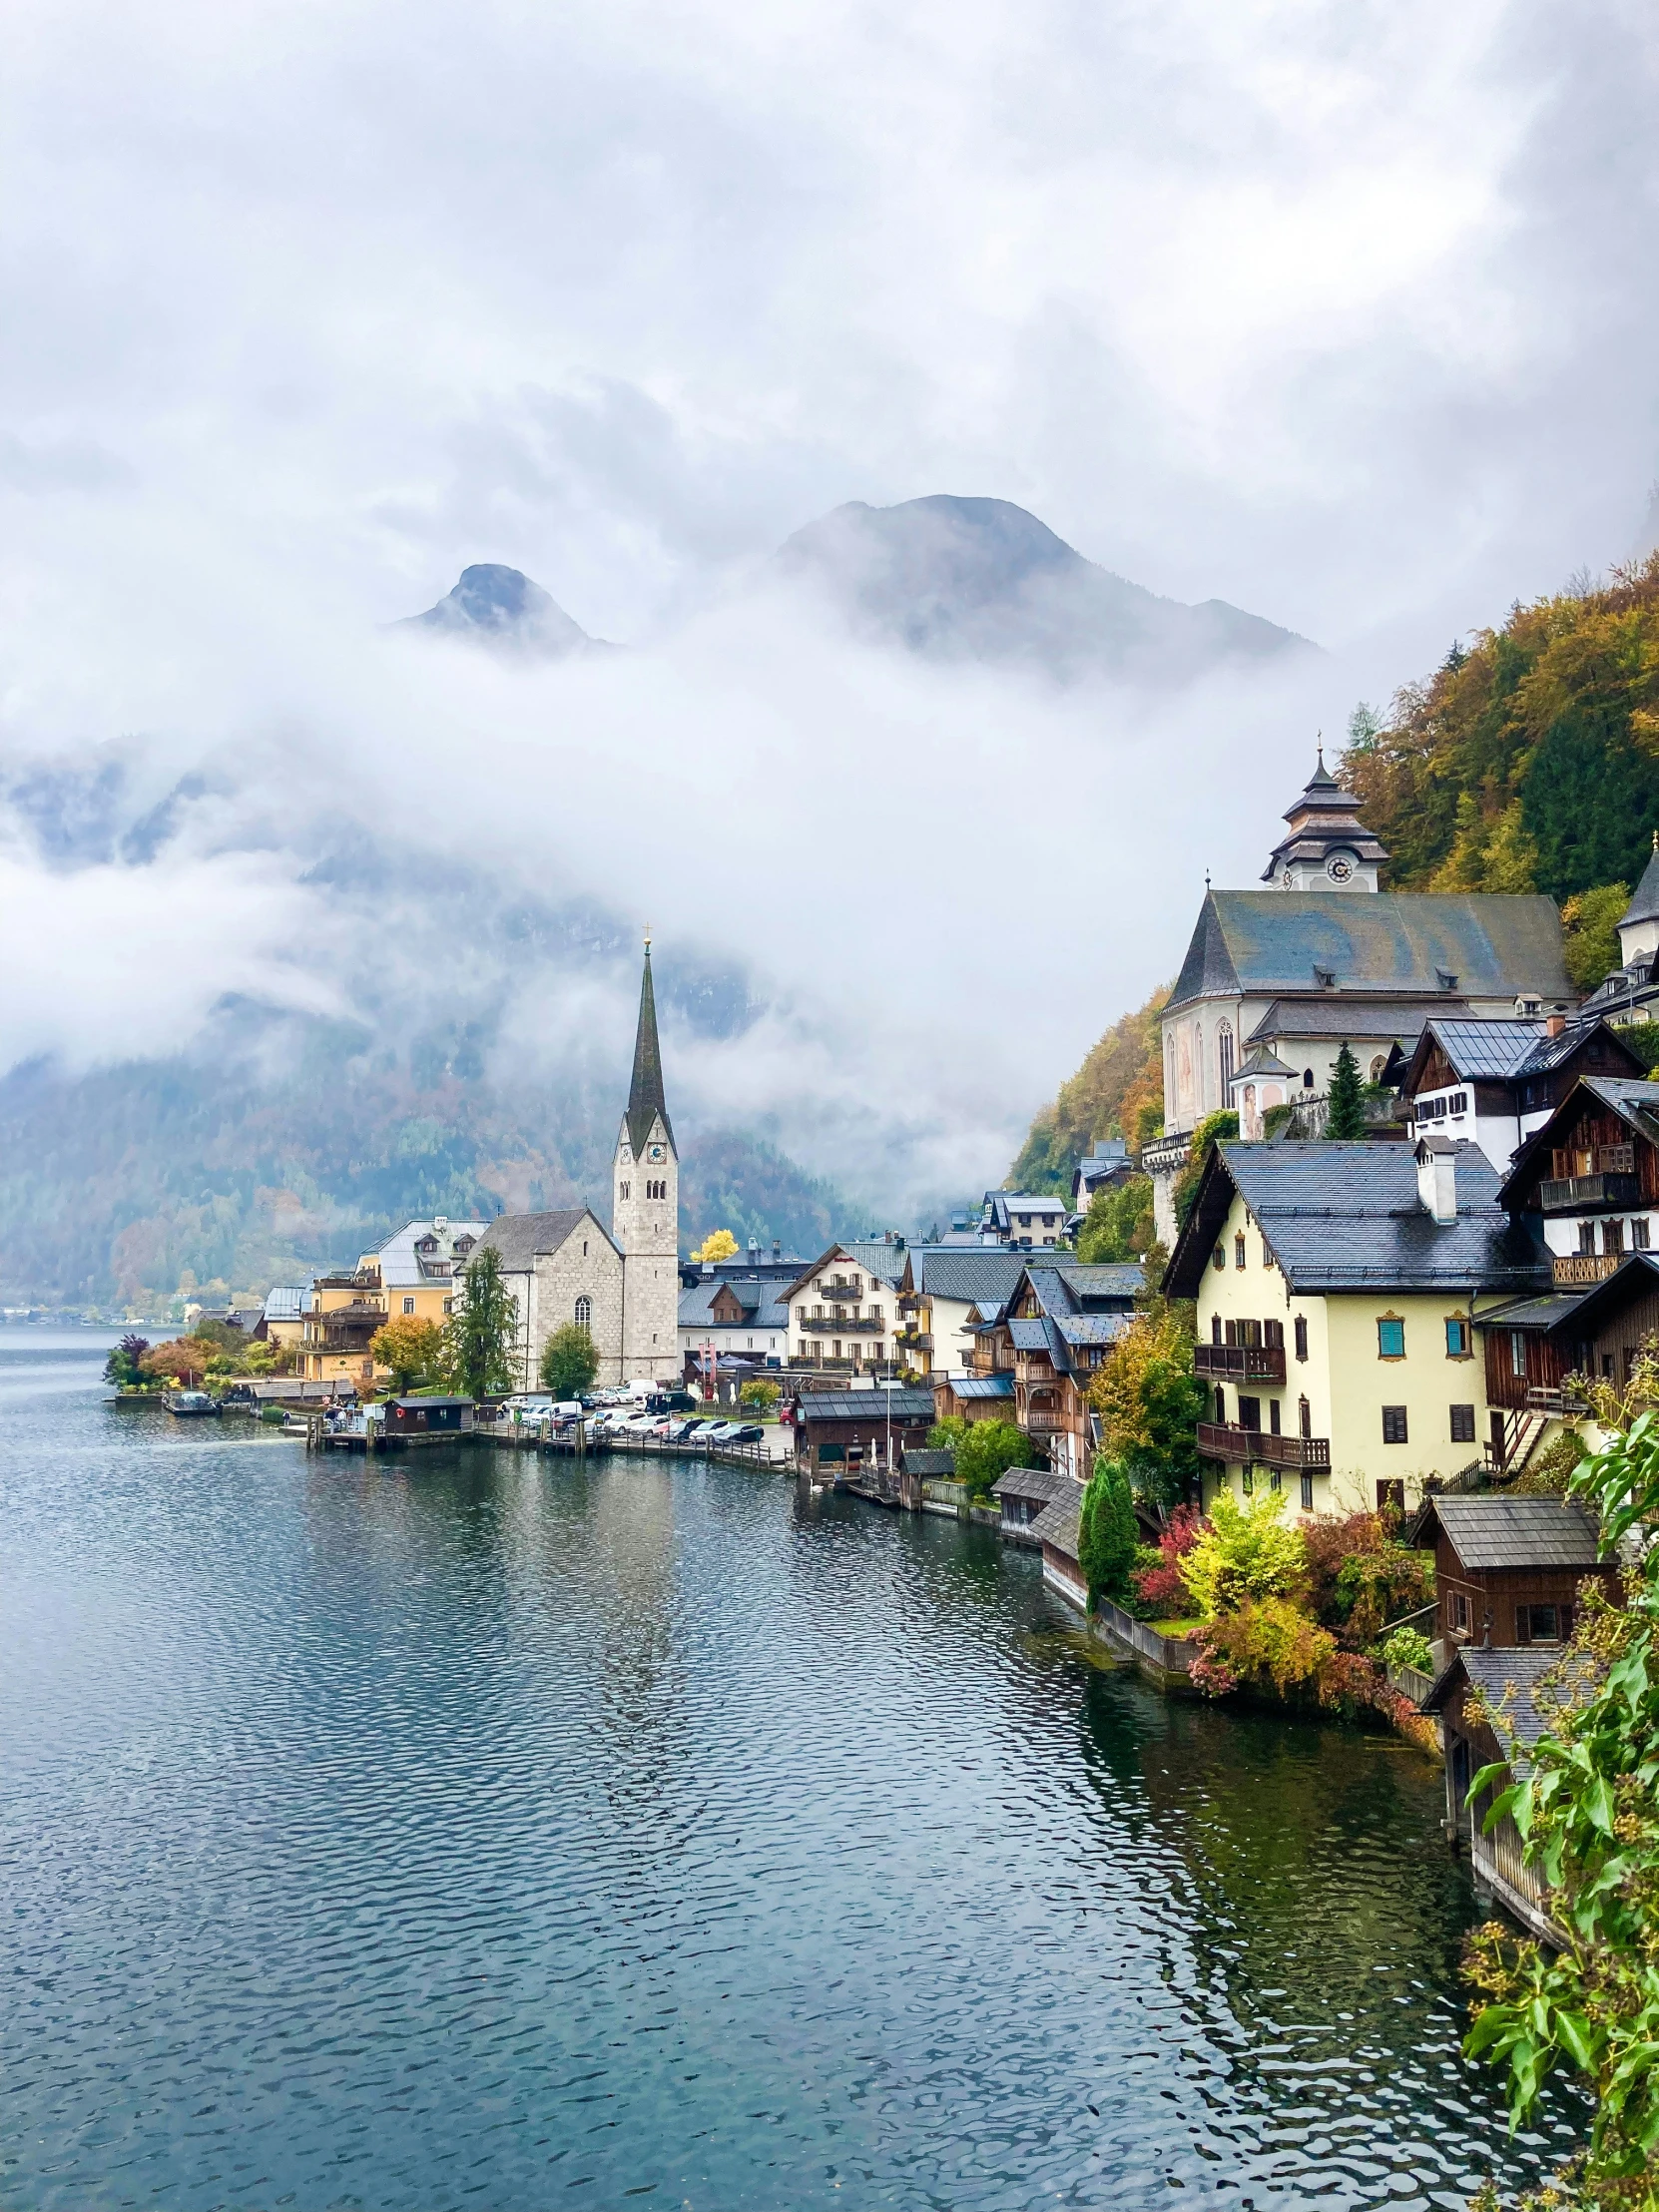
{"type": "Point", "coordinates": [1336, 1289]}
{"type": "Point", "coordinates": [412, 1275]}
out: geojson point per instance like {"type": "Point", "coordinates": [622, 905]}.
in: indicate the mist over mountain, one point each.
{"type": "Point", "coordinates": [501, 607]}
{"type": "Point", "coordinates": [983, 580]}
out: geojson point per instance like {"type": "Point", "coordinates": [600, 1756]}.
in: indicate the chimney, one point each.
{"type": "Point", "coordinates": [1438, 1177]}
{"type": "Point", "coordinates": [1554, 1025]}
{"type": "Point", "coordinates": [777, 1248]}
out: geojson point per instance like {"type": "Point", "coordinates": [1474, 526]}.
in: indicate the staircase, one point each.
{"type": "Point", "coordinates": [1523, 1432]}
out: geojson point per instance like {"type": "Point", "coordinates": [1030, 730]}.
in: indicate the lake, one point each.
{"type": "Point", "coordinates": [469, 1829]}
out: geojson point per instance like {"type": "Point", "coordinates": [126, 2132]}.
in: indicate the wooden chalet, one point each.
{"type": "Point", "coordinates": [1507, 1570]}
{"type": "Point", "coordinates": [1541, 1351]}
{"type": "Point", "coordinates": [842, 1434]}
{"type": "Point", "coordinates": [1023, 1494]}
{"type": "Point", "coordinates": [1588, 1179]}
{"type": "Point", "coordinates": [1060, 1326]}
{"type": "Point", "coordinates": [1497, 1082]}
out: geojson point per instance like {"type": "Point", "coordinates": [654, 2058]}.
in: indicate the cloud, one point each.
{"type": "Point", "coordinates": [1326, 311]}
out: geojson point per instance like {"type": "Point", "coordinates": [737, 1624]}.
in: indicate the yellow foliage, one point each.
{"type": "Point", "coordinates": [719, 1244]}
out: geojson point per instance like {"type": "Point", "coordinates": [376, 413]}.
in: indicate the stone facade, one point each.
{"type": "Point", "coordinates": [561, 1267]}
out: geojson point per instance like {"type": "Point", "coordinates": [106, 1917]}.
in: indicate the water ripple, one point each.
{"type": "Point", "coordinates": [469, 1831]}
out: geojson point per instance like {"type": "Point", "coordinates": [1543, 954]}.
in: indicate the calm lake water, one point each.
{"type": "Point", "coordinates": [471, 1831]}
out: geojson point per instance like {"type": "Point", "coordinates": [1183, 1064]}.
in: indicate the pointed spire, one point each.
{"type": "Point", "coordinates": [645, 1092]}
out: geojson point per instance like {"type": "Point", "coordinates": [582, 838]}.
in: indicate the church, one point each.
{"type": "Point", "coordinates": [622, 1284]}
{"type": "Point", "coordinates": [1277, 981]}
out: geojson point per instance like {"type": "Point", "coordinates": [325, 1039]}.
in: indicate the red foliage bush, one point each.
{"type": "Point", "coordinates": [1162, 1585]}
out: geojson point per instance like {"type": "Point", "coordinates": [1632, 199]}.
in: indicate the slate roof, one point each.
{"type": "Point", "coordinates": [762, 1308]}
{"type": "Point", "coordinates": [1634, 1101]}
{"type": "Point", "coordinates": [645, 1092]}
{"type": "Point", "coordinates": [1507, 1679]}
{"type": "Point", "coordinates": [1533, 1312]}
{"type": "Point", "coordinates": [1501, 1051]}
{"type": "Point", "coordinates": [519, 1238]}
{"type": "Point", "coordinates": [1092, 1329]}
{"type": "Point", "coordinates": [1337, 1015]}
{"type": "Point", "coordinates": [982, 1385]}
{"type": "Point", "coordinates": [287, 1301]}
{"type": "Point", "coordinates": [1038, 1482]}
{"type": "Point", "coordinates": [911, 1406]}
{"type": "Point", "coordinates": [933, 1466]}
{"type": "Point", "coordinates": [1348, 1217]}
{"type": "Point", "coordinates": [1645, 905]}
{"type": "Point", "coordinates": [1489, 1531]}
{"type": "Point", "coordinates": [1057, 1523]}
{"type": "Point", "coordinates": [1261, 1059]}
{"type": "Point", "coordinates": [1269, 943]}
{"type": "Point", "coordinates": [973, 1275]}
{"type": "Point", "coordinates": [885, 1261]}
{"type": "Point", "coordinates": [1030, 1336]}
{"type": "Point", "coordinates": [399, 1263]}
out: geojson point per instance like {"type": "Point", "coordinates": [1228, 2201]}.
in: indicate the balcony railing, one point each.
{"type": "Point", "coordinates": [1573, 1270]}
{"type": "Point", "coordinates": [826, 1325]}
{"type": "Point", "coordinates": [1242, 1363]}
{"type": "Point", "coordinates": [913, 1340]}
{"type": "Point", "coordinates": [1243, 1446]}
{"type": "Point", "coordinates": [1565, 1397]}
{"type": "Point", "coordinates": [1578, 1194]}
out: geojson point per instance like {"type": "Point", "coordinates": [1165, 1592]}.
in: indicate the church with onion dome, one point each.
{"type": "Point", "coordinates": [1275, 981]}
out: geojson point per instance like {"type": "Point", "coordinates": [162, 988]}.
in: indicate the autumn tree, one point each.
{"type": "Point", "coordinates": [719, 1244]}
{"type": "Point", "coordinates": [1150, 1403]}
{"type": "Point", "coordinates": [569, 1362]}
{"type": "Point", "coordinates": [123, 1367]}
{"type": "Point", "coordinates": [411, 1348]}
{"type": "Point", "coordinates": [1118, 1224]}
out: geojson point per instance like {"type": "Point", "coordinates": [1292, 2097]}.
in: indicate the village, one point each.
{"type": "Point", "coordinates": [1401, 1279]}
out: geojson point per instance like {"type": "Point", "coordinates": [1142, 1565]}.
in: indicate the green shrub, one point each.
{"type": "Point", "coordinates": [1406, 1647]}
{"type": "Point", "coordinates": [1246, 1552]}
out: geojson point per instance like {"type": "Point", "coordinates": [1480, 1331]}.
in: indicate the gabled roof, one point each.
{"type": "Point", "coordinates": [1508, 1679]}
{"type": "Point", "coordinates": [879, 1258]}
{"type": "Point", "coordinates": [761, 1302]}
{"type": "Point", "coordinates": [1270, 943]}
{"type": "Point", "coordinates": [1348, 1217]}
{"type": "Point", "coordinates": [1490, 1531]}
{"type": "Point", "coordinates": [1057, 1523]}
{"type": "Point", "coordinates": [1635, 1102]}
{"type": "Point", "coordinates": [981, 1386]}
{"type": "Point", "coordinates": [936, 1466]}
{"type": "Point", "coordinates": [522, 1238]}
{"type": "Point", "coordinates": [1033, 1482]}
{"type": "Point", "coordinates": [975, 1275]}
{"type": "Point", "coordinates": [1506, 1051]}
{"type": "Point", "coordinates": [287, 1301]}
{"type": "Point", "coordinates": [911, 1406]}
{"type": "Point", "coordinates": [400, 1264]}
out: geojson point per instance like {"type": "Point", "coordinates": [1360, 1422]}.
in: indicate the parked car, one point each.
{"type": "Point", "coordinates": [746, 1432]}
{"type": "Point", "coordinates": [718, 1432]}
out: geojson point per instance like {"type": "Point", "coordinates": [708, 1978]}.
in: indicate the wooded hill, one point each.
{"type": "Point", "coordinates": [1528, 762]}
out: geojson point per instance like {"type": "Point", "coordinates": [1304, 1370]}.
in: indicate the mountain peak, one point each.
{"type": "Point", "coordinates": [503, 607]}
{"type": "Point", "coordinates": [982, 579]}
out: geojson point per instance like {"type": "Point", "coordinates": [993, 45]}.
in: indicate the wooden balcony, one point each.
{"type": "Point", "coordinates": [1242, 1363]}
{"type": "Point", "coordinates": [1577, 1270]}
{"type": "Point", "coordinates": [1254, 1446]}
{"type": "Point", "coordinates": [913, 1340]}
{"type": "Point", "coordinates": [1589, 1194]}
{"type": "Point", "coordinates": [829, 1326]}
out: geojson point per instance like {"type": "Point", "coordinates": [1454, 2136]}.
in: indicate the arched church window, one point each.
{"type": "Point", "coordinates": [1225, 1049]}
{"type": "Point", "coordinates": [1306, 1079]}
{"type": "Point", "coordinates": [584, 1312]}
{"type": "Point", "coordinates": [625, 1188]}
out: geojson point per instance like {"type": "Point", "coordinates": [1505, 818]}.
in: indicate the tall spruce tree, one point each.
{"type": "Point", "coordinates": [1107, 1533]}
{"type": "Point", "coordinates": [1346, 1107]}
{"type": "Point", "coordinates": [478, 1338]}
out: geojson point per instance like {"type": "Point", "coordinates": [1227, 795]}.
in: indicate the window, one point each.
{"type": "Point", "coordinates": [1390, 1495]}
{"type": "Point", "coordinates": [1394, 1425]}
{"type": "Point", "coordinates": [1268, 1260]}
{"type": "Point", "coordinates": [1302, 1336]}
{"type": "Point", "coordinates": [1587, 1236]}
{"type": "Point", "coordinates": [1457, 1337]}
{"type": "Point", "coordinates": [1250, 1412]}
{"type": "Point", "coordinates": [1537, 1624]}
{"type": "Point", "coordinates": [1276, 1481]}
{"type": "Point", "coordinates": [1221, 1403]}
{"type": "Point", "coordinates": [1272, 1334]}
{"type": "Point", "coordinates": [1215, 1329]}
{"type": "Point", "coordinates": [1248, 1481]}
{"type": "Point", "coordinates": [625, 1189]}
{"type": "Point", "coordinates": [1238, 1250]}
{"type": "Point", "coordinates": [1272, 1415]}
{"type": "Point", "coordinates": [1218, 1260]}
{"type": "Point", "coordinates": [408, 1306]}
{"type": "Point", "coordinates": [1462, 1424]}
{"type": "Point", "coordinates": [1224, 1045]}
{"type": "Point", "coordinates": [584, 1313]}
{"type": "Point", "coordinates": [1390, 1338]}
{"type": "Point", "coordinates": [1517, 1351]}
{"type": "Point", "coordinates": [1306, 1079]}
{"type": "Point", "coordinates": [1459, 1612]}
{"type": "Point", "coordinates": [1304, 1418]}
{"type": "Point", "coordinates": [1639, 1235]}
{"type": "Point", "coordinates": [1612, 1237]}
{"type": "Point", "coordinates": [1306, 1493]}
{"type": "Point", "coordinates": [449, 1304]}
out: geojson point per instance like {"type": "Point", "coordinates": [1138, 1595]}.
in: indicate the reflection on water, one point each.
{"type": "Point", "coordinates": [469, 1829]}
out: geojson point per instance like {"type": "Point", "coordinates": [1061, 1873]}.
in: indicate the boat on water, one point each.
{"type": "Point", "coordinates": [185, 1402]}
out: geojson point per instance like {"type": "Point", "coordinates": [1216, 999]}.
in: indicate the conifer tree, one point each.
{"type": "Point", "coordinates": [1107, 1534]}
{"type": "Point", "coordinates": [1346, 1107]}
{"type": "Point", "coordinates": [478, 1339]}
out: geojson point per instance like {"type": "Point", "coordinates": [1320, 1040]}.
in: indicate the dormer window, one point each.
{"type": "Point", "coordinates": [1446, 979]}
{"type": "Point", "coordinates": [1325, 979]}
{"type": "Point", "coordinates": [427, 1246]}
{"type": "Point", "coordinates": [462, 1245]}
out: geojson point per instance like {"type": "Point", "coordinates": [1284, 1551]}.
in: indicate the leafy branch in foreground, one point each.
{"type": "Point", "coordinates": [1585, 1801]}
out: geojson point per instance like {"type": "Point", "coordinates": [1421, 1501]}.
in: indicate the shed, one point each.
{"type": "Point", "coordinates": [1507, 1570]}
{"type": "Point", "coordinates": [418, 1416]}
{"type": "Point", "coordinates": [1056, 1529]}
{"type": "Point", "coordinates": [1025, 1494]}
{"type": "Point", "coordinates": [836, 1431]}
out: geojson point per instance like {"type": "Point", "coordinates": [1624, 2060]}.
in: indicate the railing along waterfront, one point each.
{"type": "Point", "coordinates": [1241, 1446]}
{"type": "Point", "coordinates": [1243, 1362]}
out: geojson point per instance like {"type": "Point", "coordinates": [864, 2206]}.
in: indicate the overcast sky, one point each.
{"type": "Point", "coordinates": [1343, 313]}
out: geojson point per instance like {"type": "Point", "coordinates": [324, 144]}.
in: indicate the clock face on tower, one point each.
{"type": "Point", "coordinates": [1339, 867]}
{"type": "Point", "coordinates": [657, 1152]}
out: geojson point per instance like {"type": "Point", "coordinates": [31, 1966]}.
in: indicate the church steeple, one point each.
{"type": "Point", "coordinates": [645, 1093]}
{"type": "Point", "coordinates": [1328, 847]}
